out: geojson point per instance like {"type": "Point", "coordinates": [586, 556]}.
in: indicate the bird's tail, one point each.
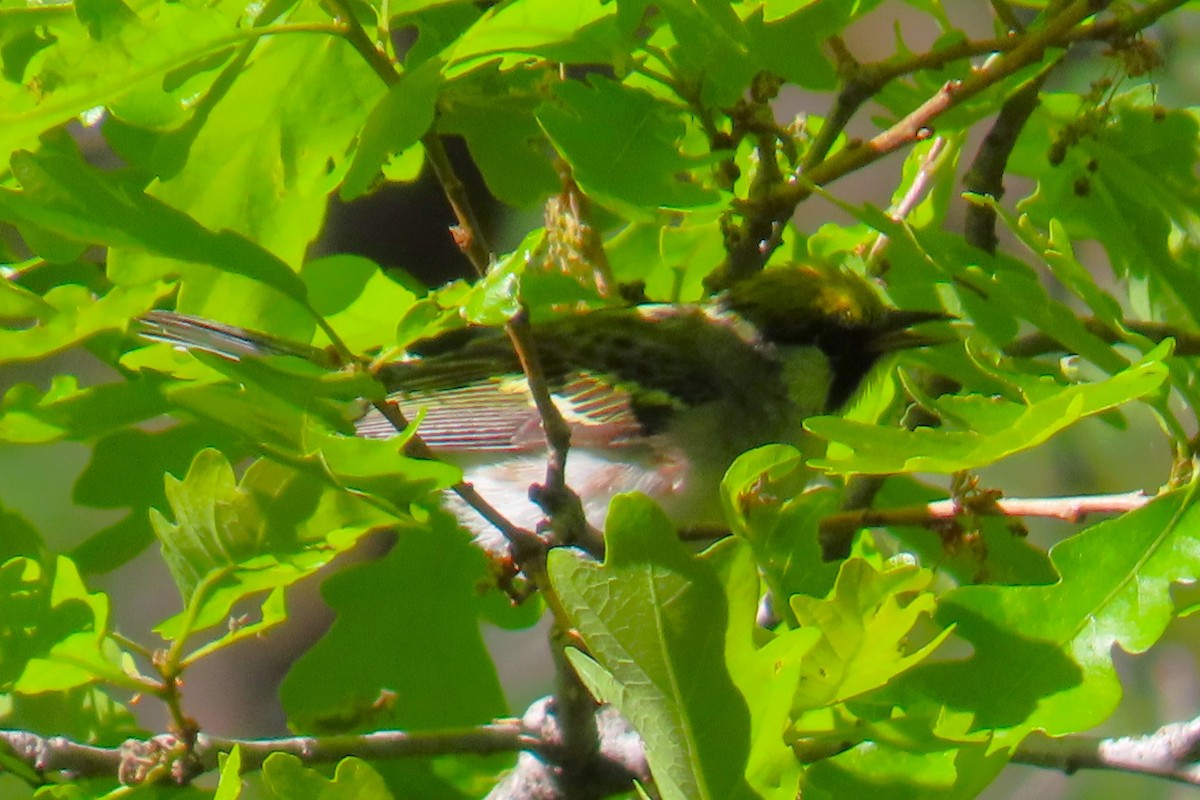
{"type": "Point", "coordinates": [226, 341]}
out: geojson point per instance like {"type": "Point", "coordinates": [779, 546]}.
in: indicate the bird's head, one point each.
{"type": "Point", "coordinates": [834, 310]}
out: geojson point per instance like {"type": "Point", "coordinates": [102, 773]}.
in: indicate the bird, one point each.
{"type": "Point", "coordinates": [660, 398]}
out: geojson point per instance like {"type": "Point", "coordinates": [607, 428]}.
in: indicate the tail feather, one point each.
{"type": "Point", "coordinates": [226, 341]}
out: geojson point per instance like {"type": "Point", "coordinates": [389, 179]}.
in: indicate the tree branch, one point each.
{"type": "Point", "coordinates": [776, 207]}
{"type": "Point", "coordinates": [560, 503]}
{"type": "Point", "coordinates": [1187, 343]}
{"type": "Point", "coordinates": [1070, 509]}
{"type": "Point", "coordinates": [617, 759]}
{"type": "Point", "coordinates": [1171, 752]}
{"type": "Point", "coordinates": [861, 81]}
{"type": "Point", "coordinates": [986, 174]}
{"type": "Point", "coordinates": [136, 760]}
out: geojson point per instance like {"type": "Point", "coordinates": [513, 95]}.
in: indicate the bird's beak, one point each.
{"type": "Point", "coordinates": [896, 333]}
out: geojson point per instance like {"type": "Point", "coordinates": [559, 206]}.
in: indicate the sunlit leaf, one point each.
{"type": "Point", "coordinates": [1068, 629]}
{"type": "Point", "coordinates": [395, 124]}
{"type": "Point", "coordinates": [285, 776]}
{"type": "Point", "coordinates": [658, 624]}
{"type": "Point", "coordinates": [999, 427]}
{"type": "Point", "coordinates": [639, 169]}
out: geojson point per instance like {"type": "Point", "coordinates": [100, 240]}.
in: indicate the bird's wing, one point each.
{"type": "Point", "coordinates": [499, 414]}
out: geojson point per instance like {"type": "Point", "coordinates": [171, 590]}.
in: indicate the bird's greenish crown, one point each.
{"type": "Point", "coordinates": [804, 303]}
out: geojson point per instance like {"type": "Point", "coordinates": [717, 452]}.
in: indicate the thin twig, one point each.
{"type": "Point", "coordinates": [916, 192]}
{"type": "Point", "coordinates": [880, 73]}
{"type": "Point", "coordinates": [614, 763]}
{"type": "Point", "coordinates": [469, 236]}
{"type": "Point", "coordinates": [860, 491]}
{"type": "Point", "coordinates": [522, 541]}
{"type": "Point", "coordinates": [561, 504]}
{"type": "Point", "coordinates": [1005, 14]}
{"type": "Point", "coordinates": [1070, 509]}
{"type": "Point", "coordinates": [861, 81]}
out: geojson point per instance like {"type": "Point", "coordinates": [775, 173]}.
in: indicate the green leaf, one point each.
{"type": "Point", "coordinates": [71, 315]}
{"type": "Point", "coordinates": [671, 260]}
{"type": "Point", "coordinates": [17, 302]}
{"type": "Point", "coordinates": [437, 23]}
{"type": "Point", "coordinates": [886, 770]}
{"type": "Point", "coordinates": [637, 170]}
{"type": "Point", "coordinates": [65, 411]}
{"type": "Point", "coordinates": [994, 291]}
{"type": "Point", "coordinates": [938, 176]}
{"type": "Point", "coordinates": [57, 631]}
{"type": "Point", "coordinates": [19, 538]}
{"type": "Point", "coordinates": [357, 299]}
{"type": "Point", "coordinates": [867, 625]}
{"type": "Point", "coordinates": [284, 407]}
{"type": "Point", "coordinates": [285, 777]}
{"type": "Point", "coordinates": [214, 528]}
{"type": "Point", "coordinates": [278, 137]}
{"type": "Point", "coordinates": [765, 501]}
{"type": "Point", "coordinates": [496, 298]}
{"type": "Point", "coordinates": [713, 49]}
{"type": "Point", "coordinates": [80, 203]}
{"type": "Point", "coordinates": [378, 467]}
{"type": "Point", "coordinates": [514, 158]}
{"type": "Point", "coordinates": [399, 120]}
{"type": "Point", "coordinates": [434, 613]}
{"type": "Point", "coordinates": [405, 166]}
{"type": "Point", "coordinates": [274, 612]}
{"type": "Point", "coordinates": [765, 674]}
{"type": "Point", "coordinates": [231, 540]}
{"type": "Point", "coordinates": [230, 785]}
{"type": "Point", "coordinates": [1044, 652]}
{"type": "Point", "coordinates": [999, 428]}
{"type": "Point", "coordinates": [787, 39]}
{"type": "Point", "coordinates": [334, 397]}
{"type": "Point", "coordinates": [126, 471]}
{"type": "Point", "coordinates": [59, 63]}
{"type": "Point", "coordinates": [690, 251]}
{"type": "Point", "coordinates": [1126, 177]}
{"type": "Point", "coordinates": [580, 32]}
{"type": "Point", "coordinates": [1059, 254]}
{"type": "Point", "coordinates": [656, 621]}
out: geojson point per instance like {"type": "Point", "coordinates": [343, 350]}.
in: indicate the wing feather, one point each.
{"type": "Point", "coordinates": [499, 414]}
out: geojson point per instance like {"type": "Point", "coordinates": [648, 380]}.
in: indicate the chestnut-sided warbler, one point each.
{"type": "Point", "coordinates": [660, 398]}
